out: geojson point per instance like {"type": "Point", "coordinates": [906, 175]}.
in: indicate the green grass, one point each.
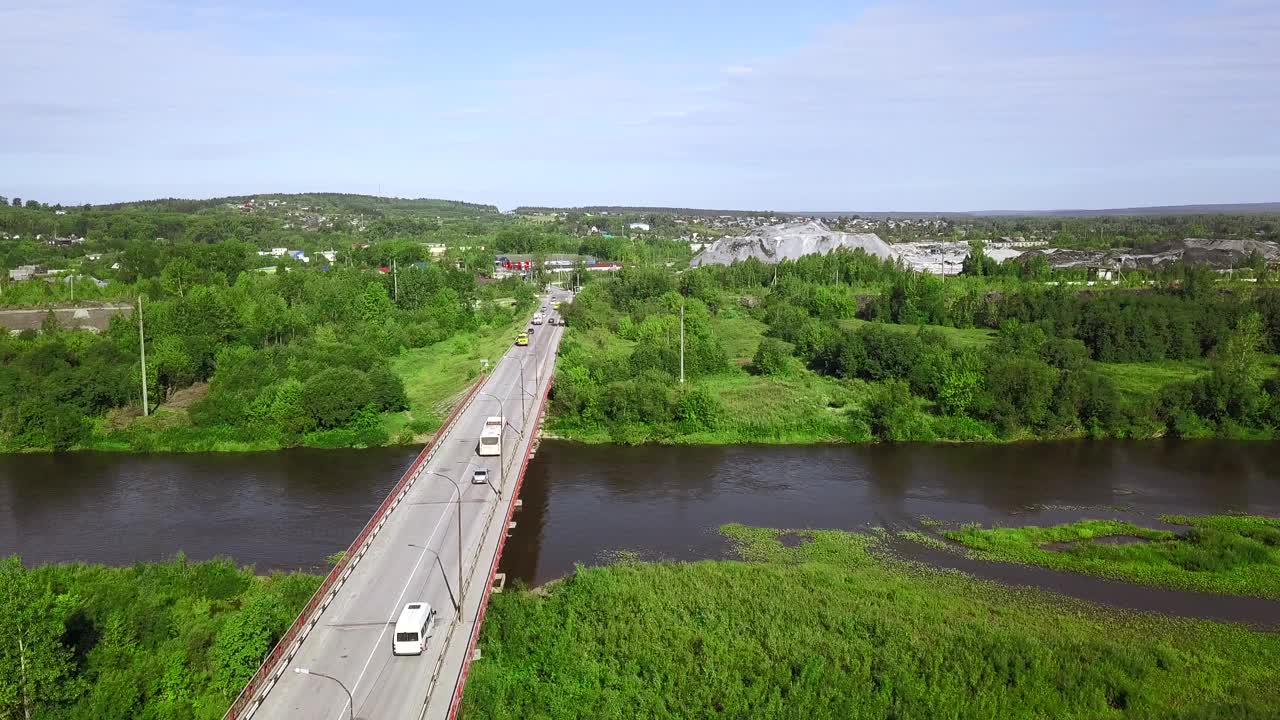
{"type": "Point", "coordinates": [739, 333]}
{"type": "Point", "coordinates": [1229, 554]}
{"type": "Point", "coordinates": [1146, 379]}
{"type": "Point", "coordinates": [925, 539]}
{"type": "Point", "coordinates": [826, 629]}
{"type": "Point", "coordinates": [806, 408]}
{"type": "Point", "coordinates": [757, 409]}
{"type": "Point", "coordinates": [434, 375]}
{"type": "Point", "coordinates": [959, 337]}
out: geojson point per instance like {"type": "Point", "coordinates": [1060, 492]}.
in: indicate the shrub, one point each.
{"type": "Point", "coordinates": [333, 396]}
{"type": "Point", "coordinates": [893, 416]}
{"type": "Point", "coordinates": [387, 390]}
{"type": "Point", "coordinates": [773, 357]}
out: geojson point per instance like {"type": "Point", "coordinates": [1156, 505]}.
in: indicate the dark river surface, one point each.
{"type": "Point", "coordinates": [583, 503]}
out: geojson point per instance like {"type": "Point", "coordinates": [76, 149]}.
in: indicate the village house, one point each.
{"type": "Point", "coordinates": [26, 272]}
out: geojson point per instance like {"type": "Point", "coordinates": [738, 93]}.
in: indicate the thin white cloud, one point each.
{"type": "Point", "coordinates": [979, 92]}
{"type": "Point", "coordinates": [977, 103]}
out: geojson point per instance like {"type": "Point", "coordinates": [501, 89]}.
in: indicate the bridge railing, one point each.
{"type": "Point", "coordinates": [456, 701]}
{"type": "Point", "coordinates": [269, 672]}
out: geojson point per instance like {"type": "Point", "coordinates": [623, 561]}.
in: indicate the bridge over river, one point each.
{"type": "Point", "coordinates": [437, 538]}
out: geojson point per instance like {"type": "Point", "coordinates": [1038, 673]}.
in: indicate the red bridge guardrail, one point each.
{"type": "Point", "coordinates": [456, 702]}
{"type": "Point", "coordinates": [269, 672]}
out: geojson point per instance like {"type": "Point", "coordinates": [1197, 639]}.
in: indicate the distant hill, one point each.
{"type": "Point", "coordinates": [639, 210]}
{"type": "Point", "coordinates": [377, 206]}
{"type": "Point", "coordinates": [368, 204]}
{"type": "Point", "coordinates": [1213, 209]}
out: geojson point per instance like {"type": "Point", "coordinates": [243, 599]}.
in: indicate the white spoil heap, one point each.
{"type": "Point", "coordinates": [789, 241]}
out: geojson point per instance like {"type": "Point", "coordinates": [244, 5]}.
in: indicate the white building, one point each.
{"type": "Point", "coordinates": [644, 227]}
{"type": "Point", "coordinates": [23, 272]}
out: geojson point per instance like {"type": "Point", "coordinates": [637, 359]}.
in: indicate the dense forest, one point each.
{"type": "Point", "coordinates": [924, 358]}
{"type": "Point", "coordinates": [242, 350]}
{"type": "Point", "coordinates": [285, 358]}
{"type": "Point", "coordinates": [155, 640]}
{"type": "Point", "coordinates": [249, 348]}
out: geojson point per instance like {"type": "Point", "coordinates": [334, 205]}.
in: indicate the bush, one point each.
{"type": "Point", "coordinates": [892, 414]}
{"type": "Point", "coordinates": [888, 353]}
{"type": "Point", "coordinates": [387, 390]}
{"type": "Point", "coordinates": [333, 396]}
{"type": "Point", "coordinates": [773, 357]}
{"type": "Point", "coordinates": [696, 409]}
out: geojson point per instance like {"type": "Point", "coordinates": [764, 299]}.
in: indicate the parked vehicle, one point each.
{"type": "Point", "coordinates": [412, 629]}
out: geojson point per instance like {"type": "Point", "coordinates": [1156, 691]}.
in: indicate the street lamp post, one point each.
{"type": "Point", "coordinates": [502, 467]}
{"type": "Point", "coordinates": [462, 593]}
{"type": "Point", "coordinates": [351, 701]}
{"type": "Point", "coordinates": [524, 411]}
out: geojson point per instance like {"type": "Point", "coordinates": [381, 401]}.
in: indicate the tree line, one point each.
{"type": "Point", "coordinates": [289, 357]}
{"type": "Point", "coordinates": [855, 318]}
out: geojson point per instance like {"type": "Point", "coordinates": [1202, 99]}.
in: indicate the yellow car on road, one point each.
{"type": "Point", "coordinates": [522, 340]}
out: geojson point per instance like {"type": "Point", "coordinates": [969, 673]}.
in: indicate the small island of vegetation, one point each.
{"type": "Point", "coordinates": [1230, 554]}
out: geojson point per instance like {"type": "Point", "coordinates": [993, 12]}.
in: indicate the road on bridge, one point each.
{"type": "Point", "coordinates": [415, 557]}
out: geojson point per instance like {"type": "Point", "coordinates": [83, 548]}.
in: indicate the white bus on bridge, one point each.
{"type": "Point", "coordinates": [491, 437]}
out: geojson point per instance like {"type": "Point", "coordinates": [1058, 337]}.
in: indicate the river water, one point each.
{"type": "Point", "coordinates": [585, 504]}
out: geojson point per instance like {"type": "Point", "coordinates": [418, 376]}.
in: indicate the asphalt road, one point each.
{"type": "Point", "coordinates": [415, 557]}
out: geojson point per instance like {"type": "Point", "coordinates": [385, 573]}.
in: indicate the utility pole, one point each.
{"type": "Point", "coordinates": [681, 343]}
{"type": "Point", "coordinates": [142, 349]}
{"type": "Point", "coordinates": [395, 281]}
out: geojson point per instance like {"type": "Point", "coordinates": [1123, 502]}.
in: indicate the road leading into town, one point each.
{"type": "Point", "coordinates": [415, 557]}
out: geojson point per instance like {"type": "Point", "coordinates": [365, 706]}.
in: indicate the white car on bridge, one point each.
{"type": "Point", "coordinates": [412, 629]}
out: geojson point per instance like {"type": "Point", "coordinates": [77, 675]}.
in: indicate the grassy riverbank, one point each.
{"type": "Point", "coordinates": [433, 377]}
{"type": "Point", "coordinates": [800, 406]}
{"type": "Point", "coordinates": [155, 640]}
{"type": "Point", "coordinates": [818, 627]}
{"type": "Point", "coordinates": [792, 354]}
{"type": "Point", "coordinates": [1229, 554]}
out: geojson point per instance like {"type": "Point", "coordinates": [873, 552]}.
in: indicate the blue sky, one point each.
{"type": "Point", "coordinates": [964, 105]}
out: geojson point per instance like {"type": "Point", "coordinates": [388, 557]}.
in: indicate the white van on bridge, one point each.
{"type": "Point", "coordinates": [412, 629]}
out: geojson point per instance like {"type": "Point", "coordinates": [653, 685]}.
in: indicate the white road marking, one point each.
{"type": "Point", "coordinates": [396, 608]}
{"type": "Point", "coordinates": [395, 612]}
